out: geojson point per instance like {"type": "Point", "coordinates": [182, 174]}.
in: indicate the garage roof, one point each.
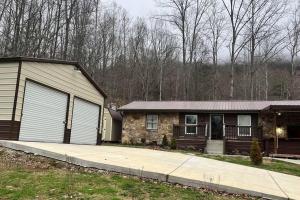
{"type": "Point", "coordinates": [42, 60]}
{"type": "Point", "coordinates": [227, 106]}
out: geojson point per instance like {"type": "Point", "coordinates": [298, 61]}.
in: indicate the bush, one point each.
{"type": "Point", "coordinates": [255, 152]}
{"type": "Point", "coordinates": [173, 144]}
{"type": "Point", "coordinates": [143, 141]}
{"type": "Point", "coordinates": [165, 141]}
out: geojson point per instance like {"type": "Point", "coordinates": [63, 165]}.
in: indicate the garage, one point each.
{"type": "Point", "coordinates": [44, 100]}
{"type": "Point", "coordinates": [85, 123]}
{"type": "Point", "coordinates": [44, 114]}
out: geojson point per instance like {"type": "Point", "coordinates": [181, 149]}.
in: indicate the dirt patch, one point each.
{"type": "Point", "coordinates": [11, 159]}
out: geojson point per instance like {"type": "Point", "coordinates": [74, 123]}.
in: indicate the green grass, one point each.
{"type": "Point", "coordinates": [27, 177]}
{"type": "Point", "coordinates": [272, 165]}
{"type": "Point", "coordinates": [60, 184]}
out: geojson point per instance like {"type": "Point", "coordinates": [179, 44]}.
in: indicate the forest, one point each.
{"type": "Point", "coordinates": [188, 50]}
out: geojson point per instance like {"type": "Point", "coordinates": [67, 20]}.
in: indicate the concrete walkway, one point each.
{"type": "Point", "coordinates": [171, 167]}
{"type": "Point", "coordinates": [294, 161]}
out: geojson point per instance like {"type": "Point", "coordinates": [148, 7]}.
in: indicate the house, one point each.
{"type": "Point", "coordinates": [49, 101]}
{"type": "Point", "coordinates": [112, 125]}
{"type": "Point", "coordinates": [215, 126]}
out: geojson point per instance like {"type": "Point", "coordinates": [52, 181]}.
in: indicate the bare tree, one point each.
{"type": "Point", "coordinates": [237, 11]}
{"type": "Point", "coordinates": [264, 17]}
{"type": "Point", "coordinates": [216, 23]}
{"type": "Point", "coordinates": [69, 13]}
{"type": "Point", "coordinates": [293, 31]}
{"type": "Point", "coordinates": [163, 45]}
{"type": "Point", "coordinates": [178, 57]}
{"type": "Point", "coordinates": [177, 15]}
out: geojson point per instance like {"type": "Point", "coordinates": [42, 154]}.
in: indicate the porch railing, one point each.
{"type": "Point", "coordinates": [234, 132]}
{"type": "Point", "coordinates": [190, 131]}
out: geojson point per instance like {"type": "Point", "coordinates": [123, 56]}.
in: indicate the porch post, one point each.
{"type": "Point", "coordinates": [274, 133]}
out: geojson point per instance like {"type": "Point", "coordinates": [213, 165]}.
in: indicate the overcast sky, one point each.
{"type": "Point", "coordinates": [138, 8]}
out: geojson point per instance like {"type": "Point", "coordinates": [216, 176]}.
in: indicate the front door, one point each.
{"type": "Point", "coordinates": [216, 124]}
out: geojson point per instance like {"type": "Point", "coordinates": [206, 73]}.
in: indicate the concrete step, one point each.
{"type": "Point", "coordinates": [215, 147]}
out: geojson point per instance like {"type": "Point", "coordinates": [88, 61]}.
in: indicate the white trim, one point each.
{"type": "Point", "coordinates": [190, 124]}
{"type": "Point", "coordinates": [210, 125]}
{"type": "Point", "coordinates": [238, 125]}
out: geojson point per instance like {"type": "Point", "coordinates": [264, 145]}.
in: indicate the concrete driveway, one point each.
{"type": "Point", "coordinates": [171, 167]}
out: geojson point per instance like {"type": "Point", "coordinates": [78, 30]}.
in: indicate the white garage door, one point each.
{"type": "Point", "coordinates": [44, 114]}
{"type": "Point", "coordinates": [84, 122]}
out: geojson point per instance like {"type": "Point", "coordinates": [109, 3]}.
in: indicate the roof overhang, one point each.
{"type": "Point", "coordinates": [282, 108]}
{"type": "Point", "coordinates": [185, 111]}
{"type": "Point", "coordinates": [54, 61]}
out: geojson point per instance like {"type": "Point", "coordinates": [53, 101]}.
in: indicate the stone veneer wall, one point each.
{"type": "Point", "coordinates": [134, 128]}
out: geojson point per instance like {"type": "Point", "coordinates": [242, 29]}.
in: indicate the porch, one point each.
{"type": "Point", "coordinates": [282, 130]}
{"type": "Point", "coordinates": [236, 139]}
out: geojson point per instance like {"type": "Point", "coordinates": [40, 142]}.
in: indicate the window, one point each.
{"type": "Point", "coordinates": [191, 124]}
{"type": "Point", "coordinates": [244, 125]}
{"type": "Point", "coordinates": [151, 122]}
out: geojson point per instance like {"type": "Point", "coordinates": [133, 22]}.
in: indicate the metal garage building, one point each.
{"type": "Point", "coordinates": [49, 101]}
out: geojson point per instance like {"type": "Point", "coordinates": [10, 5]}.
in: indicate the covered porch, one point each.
{"type": "Point", "coordinates": [232, 132]}
{"type": "Point", "coordinates": [281, 125]}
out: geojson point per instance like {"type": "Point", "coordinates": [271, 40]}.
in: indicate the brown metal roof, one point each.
{"type": "Point", "coordinates": [43, 60]}
{"type": "Point", "coordinates": [115, 114]}
{"type": "Point", "coordinates": [181, 106]}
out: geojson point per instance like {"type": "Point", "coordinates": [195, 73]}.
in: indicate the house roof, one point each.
{"type": "Point", "coordinates": [115, 114]}
{"type": "Point", "coordinates": [208, 106]}
{"type": "Point", "coordinates": [43, 60]}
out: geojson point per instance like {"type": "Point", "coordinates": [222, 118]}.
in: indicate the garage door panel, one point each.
{"type": "Point", "coordinates": [44, 114]}
{"type": "Point", "coordinates": [85, 122]}
{"type": "Point", "coordinates": [52, 105]}
{"type": "Point", "coordinates": [39, 115]}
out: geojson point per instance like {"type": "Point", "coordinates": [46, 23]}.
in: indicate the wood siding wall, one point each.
{"type": "Point", "coordinates": [239, 146]}
{"type": "Point", "coordinates": [229, 118]}
{"type": "Point", "coordinates": [9, 130]}
{"type": "Point", "coordinates": [289, 146]}
{"type": "Point", "coordinates": [8, 81]}
{"type": "Point", "coordinates": [62, 77]}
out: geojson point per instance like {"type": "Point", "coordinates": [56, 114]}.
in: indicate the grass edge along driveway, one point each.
{"type": "Point", "coordinates": [25, 176]}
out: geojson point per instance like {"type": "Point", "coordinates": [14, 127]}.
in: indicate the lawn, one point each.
{"type": "Point", "coordinates": [25, 176]}
{"type": "Point", "coordinates": [272, 165]}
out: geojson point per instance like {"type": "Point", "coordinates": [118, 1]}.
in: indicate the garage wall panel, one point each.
{"type": "Point", "coordinates": [8, 80]}
{"type": "Point", "coordinates": [62, 77]}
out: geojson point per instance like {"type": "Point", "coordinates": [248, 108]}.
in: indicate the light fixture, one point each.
{"type": "Point", "coordinates": [279, 113]}
{"type": "Point", "coordinates": [280, 132]}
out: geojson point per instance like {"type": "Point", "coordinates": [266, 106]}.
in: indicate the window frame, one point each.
{"type": "Point", "coordinates": [186, 124]}
{"type": "Point", "coordinates": [250, 127]}
{"type": "Point", "coordinates": [147, 122]}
